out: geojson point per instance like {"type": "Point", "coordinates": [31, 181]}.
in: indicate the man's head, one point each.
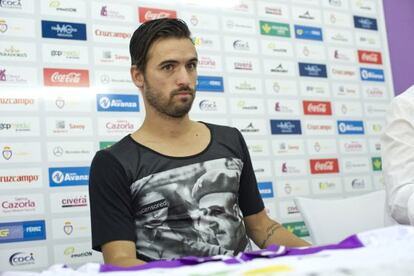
{"type": "Point", "coordinates": [164, 66]}
{"type": "Point", "coordinates": [149, 32]}
{"type": "Point", "coordinates": [219, 222]}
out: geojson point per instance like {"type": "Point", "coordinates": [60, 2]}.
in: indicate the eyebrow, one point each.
{"type": "Point", "coordinates": [168, 61]}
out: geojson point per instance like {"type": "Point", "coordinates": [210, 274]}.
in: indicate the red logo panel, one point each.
{"type": "Point", "coordinates": [370, 57]}
{"type": "Point", "coordinates": [146, 14]}
{"type": "Point", "coordinates": [65, 77]}
{"type": "Point", "coordinates": [317, 108]}
{"type": "Point", "coordinates": [320, 166]}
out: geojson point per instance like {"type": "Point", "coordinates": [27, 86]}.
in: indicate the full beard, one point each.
{"type": "Point", "coordinates": [170, 107]}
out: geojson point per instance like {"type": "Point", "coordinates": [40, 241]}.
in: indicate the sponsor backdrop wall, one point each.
{"type": "Point", "coordinates": [307, 82]}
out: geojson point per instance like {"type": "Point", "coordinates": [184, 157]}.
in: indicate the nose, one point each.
{"type": "Point", "coordinates": [183, 77]}
{"type": "Point", "coordinates": [213, 226]}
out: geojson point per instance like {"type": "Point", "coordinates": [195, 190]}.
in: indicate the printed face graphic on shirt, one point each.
{"type": "Point", "coordinates": [194, 207]}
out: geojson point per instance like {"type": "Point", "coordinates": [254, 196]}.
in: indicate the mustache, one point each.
{"type": "Point", "coordinates": [186, 89]}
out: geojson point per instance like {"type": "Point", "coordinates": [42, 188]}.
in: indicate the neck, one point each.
{"type": "Point", "coordinates": [166, 126]}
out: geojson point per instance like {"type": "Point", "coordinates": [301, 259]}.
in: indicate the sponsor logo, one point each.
{"type": "Point", "coordinates": [22, 231]}
{"type": "Point", "coordinates": [317, 108]}
{"type": "Point", "coordinates": [106, 144]}
{"type": "Point", "coordinates": [284, 107]}
{"type": "Point", "coordinates": [117, 103]}
{"type": "Point", "coordinates": [69, 176]}
{"type": "Point", "coordinates": [314, 89]}
{"type": "Point", "coordinates": [312, 70]}
{"type": "Point", "coordinates": [113, 12]}
{"type": "Point", "coordinates": [345, 90]}
{"type": "Point", "coordinates": [310, 33]}
{"type": "Point", "coordinates": [17, 179]}
{"type": "Point", "coordinates": [297, 228]}
{"type": "Point", "coordinates": [274, 28]}
{"type": "Point", "coordinates": [56, 5]}
{"type": "Point", "coordinates": [207, 105]}
{"type": "Point", "coordinates": [375, 92]}
{"type": "Point", "coordinates": [73, 202]}
{"type": "Point", "coordinates": [353, 146]}
{"type": "Point", "coordinates": [355, 165]}
{"type": "Point", "coordinates": [210, 84]}
{"type": "Point", "coordinates": [236, 24]}
{"type": "Point", "coordinates": [15, 52]}
{"type": "Point", "coordinates": [65, 77]}
{"type": "Point", "coordinates": [370, 57]}
{"type": "Point", "coordinates": [344, 72]}
{"type": "Point", "coordinates": [104, 35]}
{"type": "Point", "coordinates": [319, 127]}
{"type": "Point", "coordinates": [22, 204]}
{"type": "Point", "coordinates": [350, 127]}
{"type": "Point", "coordinates": [365, 23]}
{"type": "Point", "coordinates": [206, 42]}
{"type": "Point", "coordinates": [281, 127]}
{"type": "Point", "coordinates": [70, 252]}
{"type": "Point", "coordinates": [370, 74]}
{"type": "Point", "coordinates": [376, 164]}
{"type": "Point", "coordinates": [21, 258]}
{"type": "Point", "coordinates": [116, 126]}
{"type": "Point", "coordinates": [265, 189]}
{"type": "Point", "coordinates": [11, 4]}
{"type": "Point", "coordinates": [250, 128]}
{"type": "Point", "coordinates": [63, 30]}
{"type": "Point", "coordinates": [322, 166]}
{"type": "Point", "coordinates": [241, 45]}
{"type": "Point", "coordinates": [307, 16]}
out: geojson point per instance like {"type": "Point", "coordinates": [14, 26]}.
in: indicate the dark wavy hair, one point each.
{"type": "Point", "coordinates": [147, 33]}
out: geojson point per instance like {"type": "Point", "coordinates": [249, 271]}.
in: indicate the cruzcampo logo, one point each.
{"type": "Point", "coordinates": [274, 29]}
{"type": "Point", "coordinates": [105, 144]}
{"type": "Point", "coordinates": [298, 228]}
{"type": "Point", "coordinates": [376, 164]}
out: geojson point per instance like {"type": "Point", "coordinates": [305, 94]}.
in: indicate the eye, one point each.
{"type": "Point", "coordinates": [192, 66]}
{"type": "Point", "coordinates": [168, 67]}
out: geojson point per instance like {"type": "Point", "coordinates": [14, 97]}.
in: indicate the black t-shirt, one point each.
{"type": "Point", "coordinates": [174, 206]}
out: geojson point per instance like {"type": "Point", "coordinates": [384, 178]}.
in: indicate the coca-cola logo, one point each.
{"type": "Point", "coordinates": [66, 77]}
{"type": "Point", "coordinates": [369, 57]}
{"type": "Point", "coordinates": [317, 108]}
{"type": "Point", "coordinates": [321, 166]}
{"type": "Point", "coordinates": [146, 14]}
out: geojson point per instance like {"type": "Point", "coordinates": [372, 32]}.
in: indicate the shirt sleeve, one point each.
{"type": "Point", "coordinates": [398, 158]}
{"type": "Point", "coordinates": [250, 200]}
{"type": "Point", "coordinates": [110, 201]}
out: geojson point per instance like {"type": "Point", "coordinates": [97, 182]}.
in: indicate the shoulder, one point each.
{"type": "Point", "coordinates": [222, 130]}
{"type": "Point", "coordinates": [120, 155]}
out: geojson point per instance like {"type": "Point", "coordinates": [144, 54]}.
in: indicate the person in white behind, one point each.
{"type": "Point", "coordinates": [398, 158]}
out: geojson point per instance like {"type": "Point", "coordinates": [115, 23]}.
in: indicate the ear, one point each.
{"type": "Point", "coordinates": [137, 76]}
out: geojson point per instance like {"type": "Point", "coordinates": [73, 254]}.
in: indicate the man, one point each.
{"type": "Point", "coordinates": [398, 158]}
{"type": "Point", "coordinates": [168, 157]}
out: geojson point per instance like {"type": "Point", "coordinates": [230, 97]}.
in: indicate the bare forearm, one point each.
{"type": "Point", "coordinates": [274, 233]}
{"type": "Point", "coordinates": [124, 262]}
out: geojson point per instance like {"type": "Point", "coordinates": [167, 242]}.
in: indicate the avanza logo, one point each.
{"type": "Point", "coordinates": [146, 14]}
{"type": "Point", "coordinates": [369, 57]}
{"type": "Point", "coordinates": [317, 108]}
{"type": "Point", "coordinates": [66, 77]}
{"type": "Point", "coordinates": [321, 166]}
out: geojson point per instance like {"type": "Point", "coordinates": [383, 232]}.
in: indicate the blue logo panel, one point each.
{"type": "Point", "coordinates": [284, 127]}
{"type": "Point", "coordinates": [22, 231]}
{"type": "Point", "coordinates": [350, 127]}
{"type": "Point", "coordinates": [63, 30]}
{"type": "Point", "coordinates": [117, 103]}
{"type": "Point", "coordinates": [313, 70]}
{"type": "Point", "coordinates": [365, 23]}
{"type": "Point", "coordinates": [265, 189]}
{"type": "Point", "coordinates": [306, 32]}
{"type": "Point", "coordinates": [371, 74]}
{"type": "Point", "coordinates": [68, 176]}
{"type": "Point", "coordinates": [210, 84]}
